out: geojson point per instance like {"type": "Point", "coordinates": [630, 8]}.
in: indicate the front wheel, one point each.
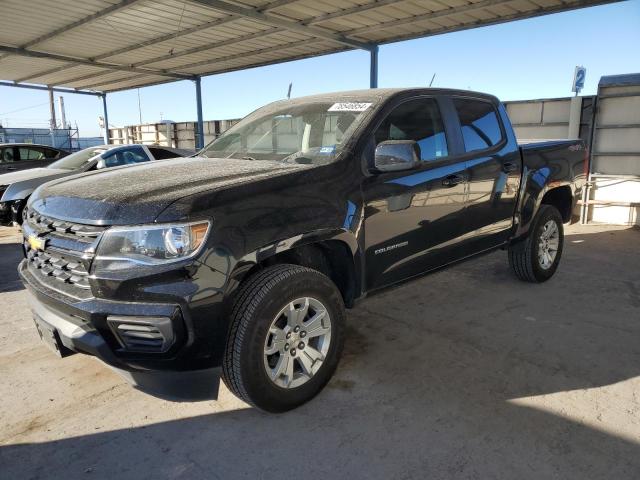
{"type": "Point", "coordinates": [285, 339]}
{"type": "Point", "coordinates": [536, 258]}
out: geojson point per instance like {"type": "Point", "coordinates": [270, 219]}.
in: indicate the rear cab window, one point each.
{"type": "Point", "coordinates": [420, 120]}
{"type": "Point", "coordinates": [481, 129]}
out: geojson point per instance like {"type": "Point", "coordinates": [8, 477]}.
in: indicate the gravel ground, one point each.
{"type": "Point", "coordinates": [467, 373]}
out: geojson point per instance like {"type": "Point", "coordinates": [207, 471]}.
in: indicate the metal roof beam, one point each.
{"type": "Point", "coordinates": [156, 40]}
{"type": "Point", "coordinates": [349, 11]}
{"type": "Point", "coordinates": [83, 21]}
{"type": "Point", "coordinates": [277, 21]}
{"type": "Point", "coordinates": [428, 16]}
{"type": "Point", "coordinates": [146, 43]}
{"type": "Point", "coordinates": [227, 58]}
{"type": "Point", "coordinates": [54, 89]}
{"type": "Point", "coordinates": [85, 61]}
{"type": "Point", "coordinates": [201, 48]}
{"type": "Point", "coordinates": [262, 51]}
{"type": "Point", "coordinates": [563, 7]}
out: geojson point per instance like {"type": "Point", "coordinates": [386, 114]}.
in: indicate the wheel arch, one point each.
{"type": "Point", "coordinates": [561, 198]}
{"type": "Point", "coordinates": [335, 253]}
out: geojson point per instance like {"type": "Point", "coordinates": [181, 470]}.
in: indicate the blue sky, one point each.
{"type": "Point", "coordinates": [527, 59]}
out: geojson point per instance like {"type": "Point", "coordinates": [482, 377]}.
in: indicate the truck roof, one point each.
{"type": "Point", "coordinates": [383, 94]}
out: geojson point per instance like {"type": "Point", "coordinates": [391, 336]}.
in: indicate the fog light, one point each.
{"type": "Point", "coordinates": [143, 334]}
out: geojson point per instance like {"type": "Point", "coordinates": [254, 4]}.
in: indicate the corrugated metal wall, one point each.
{"type": "Point", "coordinates": [614, 143]}
{"type": "Point", "coordinates": [66, 139]}
{"type": "Point", "coordinates": [551, 118]}
{"type": "Point", "coordinates": [614, 194]}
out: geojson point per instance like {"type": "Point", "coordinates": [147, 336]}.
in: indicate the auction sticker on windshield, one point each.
{"type": "Point", "coordinates": [349, 107]}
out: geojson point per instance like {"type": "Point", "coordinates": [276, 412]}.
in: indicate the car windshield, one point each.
{"type": "Point", "coordinates": [78, 159]}
{"type": "Point", "coordinates": [310, 133]}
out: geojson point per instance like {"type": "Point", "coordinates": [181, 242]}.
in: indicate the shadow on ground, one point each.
{"type": "Point", "coordinates": [426, 389]}
{"type": "Point", "coordinates": [10, 257]}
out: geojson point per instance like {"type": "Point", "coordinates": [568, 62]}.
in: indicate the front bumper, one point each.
{"type": "Point", "coordinates": [87, 326]}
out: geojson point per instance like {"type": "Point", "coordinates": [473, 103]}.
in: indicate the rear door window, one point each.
{"type": "Point", "coordinates": [418, 120]}
{"type": "Point", "coordinates": [31, 153]}
{"type": "Point", "coordinates": [479, 123]}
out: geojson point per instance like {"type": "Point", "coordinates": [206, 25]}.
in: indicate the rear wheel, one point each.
{"type": "Point", "coordinates": [286, 337]}
{"type": "Point", "coordinates": [536, 258]}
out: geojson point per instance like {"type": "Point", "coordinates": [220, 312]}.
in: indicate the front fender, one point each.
{"type": "Point", "coordinates": [247, 262]}
{"type": "Point", "coordinates": [18, 191]}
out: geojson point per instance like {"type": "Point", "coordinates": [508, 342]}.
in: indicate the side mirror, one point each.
{"type": "Point", "coordinates": [102, 163]}
{"type": "Point", "coordinates": [397, 155]}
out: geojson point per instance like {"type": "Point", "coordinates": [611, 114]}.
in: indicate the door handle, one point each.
{"type": "Point", "coordinates": [509, 167]}
{"type": "Point", "coordinates": [452, 180]}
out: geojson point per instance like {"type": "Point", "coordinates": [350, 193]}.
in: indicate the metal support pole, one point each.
{"type": "Point", "coordinates": [200, 129]}
{"type": "Point", "coordinates": [575, 114]}
{"type": "Point", "coordinates": [373, 74]}
{"type": "Point", "coordinates": [106, 118]}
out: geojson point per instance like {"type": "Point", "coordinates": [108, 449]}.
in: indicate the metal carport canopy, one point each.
{"type": "Point", "coordinates": [109, 45]}
{"type": "Point", "coordinates": [100, 46]}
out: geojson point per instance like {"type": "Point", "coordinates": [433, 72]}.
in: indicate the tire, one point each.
{"type": "Point", "coordinates": [257, 312]}
{"type": "Point", "coordinates": [525, 256]}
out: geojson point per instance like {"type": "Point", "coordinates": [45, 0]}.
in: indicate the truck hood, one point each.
{"type": "Point", "coordinates": [138, 194]}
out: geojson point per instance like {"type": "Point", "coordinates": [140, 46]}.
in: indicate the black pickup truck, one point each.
{"type": "Point", "coordinates": [245, 256]}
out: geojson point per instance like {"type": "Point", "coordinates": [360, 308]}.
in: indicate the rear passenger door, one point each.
{"type": "Point", "coordinates": [413, 218]}
{"type": "Point", "coordinates": [32, 157]}
{"type": "Point", "coordinates": [494, 167]}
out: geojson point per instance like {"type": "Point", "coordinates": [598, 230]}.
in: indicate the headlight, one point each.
{"type": "Point", "coordinates": [150, 244]}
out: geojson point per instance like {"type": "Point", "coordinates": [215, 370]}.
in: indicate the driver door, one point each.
{"type": "Point", "coordinates": [413, 218]}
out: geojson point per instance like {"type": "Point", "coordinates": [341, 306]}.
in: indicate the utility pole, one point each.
{"type": "Point", "coordinates": [63, 117]}
{"type": "Point", "coordinates": [52, 120]}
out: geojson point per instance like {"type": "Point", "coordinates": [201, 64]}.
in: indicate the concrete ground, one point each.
{"type": "Point", "coordinates": [467, 373]}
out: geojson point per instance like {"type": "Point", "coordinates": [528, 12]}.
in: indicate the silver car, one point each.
{"type": "Point", "coordinates": [16, 187]}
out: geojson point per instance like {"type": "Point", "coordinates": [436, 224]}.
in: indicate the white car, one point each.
{"type": "Point", "coordinates": [16, 187]}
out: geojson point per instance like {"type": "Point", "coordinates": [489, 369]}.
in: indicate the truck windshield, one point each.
{"type": "Point", "coordinates": [310, 133]}
{"type": "Point", "coordinates": [78, 159]}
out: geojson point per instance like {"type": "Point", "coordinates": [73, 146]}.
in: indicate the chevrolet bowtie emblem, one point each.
{"type": "Point", "coordinates": [36, 243]}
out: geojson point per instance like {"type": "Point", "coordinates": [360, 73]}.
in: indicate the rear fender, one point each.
{"type": "Point", "coordinates": [535, 185]}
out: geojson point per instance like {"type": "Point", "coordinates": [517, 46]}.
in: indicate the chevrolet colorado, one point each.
{"type": "Point", "coordinates": [245, 256]}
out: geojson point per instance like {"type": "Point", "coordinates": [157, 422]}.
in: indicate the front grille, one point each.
{"type": "Point", "coordinates": [64, 256]}
{"type": "Point", "coordinates": [63, 269]}
{"type": "Point", "coordinates": [43, 224]}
